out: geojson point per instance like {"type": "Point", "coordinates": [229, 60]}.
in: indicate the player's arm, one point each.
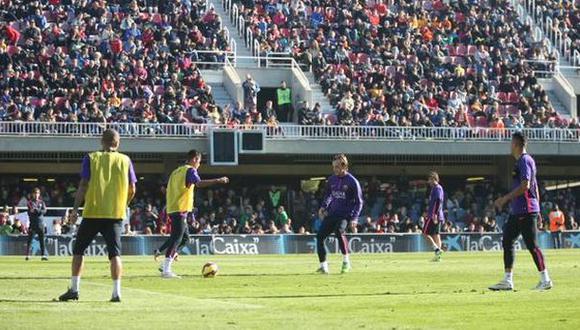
{"type": "Point", "coordinates": [525, 177]}
{"type": "Point", "coordinates": [192, 178]}
{"type": "Point", "coordinates": [358, 201]}
{"type": "Point", "coordinates": [79, 199]}
{"type": "Point", "coordinates": [212, 182]}
{"type": "Point", "coordinates": [132, 189]}
{"type": "Point", "coordinates": [325, 200]}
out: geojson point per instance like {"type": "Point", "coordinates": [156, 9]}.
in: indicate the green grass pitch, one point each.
{"type": "Point", "coordinates": [270, 292]}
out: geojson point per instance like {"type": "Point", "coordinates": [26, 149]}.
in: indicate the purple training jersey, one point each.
{"type": "Point", "coordinates": [343, 197]}
{"type": "Point", "coordinates": [436, 203]}
{"type": "Point", "coordinates": [191, 177]}
{"type": "Point", "coordinates": [525, 170]}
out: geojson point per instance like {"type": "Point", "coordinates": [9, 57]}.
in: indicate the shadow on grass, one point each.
{"type": "Point", "coordinates": [49, 301]}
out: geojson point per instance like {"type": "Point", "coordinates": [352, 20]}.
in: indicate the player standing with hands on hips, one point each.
{"type": "Point", "coordinates": [525, 210]}
{"type": "Point", "coordinates": [342, 203]}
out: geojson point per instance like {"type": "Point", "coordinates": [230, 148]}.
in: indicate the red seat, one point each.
{"type": "Point", "coordinates": [363, 57]}
{"type": "Point", "coordinates": [461, 50]}
{"type": "Point", "coordinates": [481, 122]}
{"type": "Point", "coordinates": [502, 97]}
{"type": "Point", "coordinates": [471, 50]}
{"type": "Point", "coordinates": [12, 50]}
{"type": "Point", "coordinates": [513, 98]}
{"type": "Point", "coordinates": [59, 101]}
{"type": "Point", "coordinates": [159, 89]}
{"type": "Point", "coordinates": [451, 50]}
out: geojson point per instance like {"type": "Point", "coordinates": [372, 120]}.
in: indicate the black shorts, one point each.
{"type": "Point", "coordinates": [36, 227]}
{"type": "Point", "coordinates": [110, 229]}
{"type": "Point", "coordinates": [431, 228]}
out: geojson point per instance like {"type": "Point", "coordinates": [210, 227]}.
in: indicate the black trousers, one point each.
{"type": "Point", "coordinates": [526, 225]}
{"type": "Point", "coordinates": [331, 224]}
{"type": "Point", "coordinates": [36, 227]}
{"type": "Point", "coordinates": [557, 238]}
{"type": "Point", "coordinates": [179, 234]}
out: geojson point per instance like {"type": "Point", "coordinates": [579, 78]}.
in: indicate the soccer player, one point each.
{"type": "Point", "coordinates": [180, 196]}
{"type": "Point", "coordinates": [107, 186]}
{"type": "Point", "coordinates": [342, 204]}
{"type": "Point", "coordinates": [525, 209]}
{"type": "Point", "coordinates": [36, 212]}
{"type": "Point", "coordinates": [435, 215]}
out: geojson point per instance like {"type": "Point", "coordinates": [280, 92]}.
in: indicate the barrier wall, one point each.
{"type": "Point", "coordinates": [282, 244]}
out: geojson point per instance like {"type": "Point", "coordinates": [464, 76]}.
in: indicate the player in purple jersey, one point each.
{"type": "Point", "coordinates": [524, 201]}
{"type": "Point", "coordinates": [435, 216]}
{"type": "Point", "coordinates": [342, 203]}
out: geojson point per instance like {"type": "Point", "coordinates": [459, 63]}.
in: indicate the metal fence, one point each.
{"type": "Point", "coordinates": [289, 132]}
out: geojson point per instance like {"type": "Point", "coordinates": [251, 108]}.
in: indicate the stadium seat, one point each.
{"type": "Point", "coordinates": [471, 50]}
{"type": "Point", "coordinates": [12, 50]}
{"type": "Point", "coordinates": [451, 50]}
{"type": "Point", "coordinates": [513, 97]}
{"type": "Point", "coordinates": [502, 97]}
{"type": "Point", "coordinates": [461, 50]}
{"type": "Point", "coordinates": [159, 89]}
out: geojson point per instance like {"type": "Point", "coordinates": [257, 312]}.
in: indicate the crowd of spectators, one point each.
{"type": "Point", "coordinates": [390, 206]}
{"type": "Point", "coordinates": [565, 16]}
{"type": "Point", "coordinates": [413, 63]}
{"type": "Point", "coordinates": [108, 61]}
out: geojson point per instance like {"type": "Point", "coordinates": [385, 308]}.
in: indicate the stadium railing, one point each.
{"type": "Point", "coordinates": [289, 132]}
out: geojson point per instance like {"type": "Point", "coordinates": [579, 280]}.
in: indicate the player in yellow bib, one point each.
{"type": "Point", "coordinates": [106, 188]}
{"type": "Point", "coordinates": [179, 194]}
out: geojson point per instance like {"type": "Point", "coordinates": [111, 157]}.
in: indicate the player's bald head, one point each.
{"type": "Point", "coordinates": [110, 139]}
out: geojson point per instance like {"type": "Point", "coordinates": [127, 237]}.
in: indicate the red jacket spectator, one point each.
{"type": "Point", "coordinates": [12, 35]}
{"type": "Point", "coordinates": [116, 46]}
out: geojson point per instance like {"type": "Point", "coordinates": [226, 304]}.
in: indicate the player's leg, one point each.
{"type": "Point", "coordinates": [511, 232]}
{"type": "Point", "coordinates": [429, 232]}
{"type": "Point", "coordinates": [111, 231]}
{"type": "Point", "coordinates": [178, 221]}
{"type": "Point", "coordinates": [528, 227]}
{"type": "Point", "coordinates": [325, 229]}
{"type": "Point", "coordinates": [29, 242]}
{"type": "Point", "coordinates": [41, 239]}
{"type": "Point", "coordinates": [340, 233]}
{"type": "Point", "coordinates": [85, 235]}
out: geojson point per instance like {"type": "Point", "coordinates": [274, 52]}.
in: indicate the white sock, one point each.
{"type": "Point", "coordinates": [544, 275]}
{"type": "Point", "coordinates": [75, 283]}
{"type": "Point", "coordinates": [167, 265]}
{"type": "Point", "coordinates": [117, 288]}
{"type": "Point", "coordinates": [509, 276]}
{"type": "Point", "coordinates": [324, 265]}
{"type": "Point", "coordinates": [345, 258]}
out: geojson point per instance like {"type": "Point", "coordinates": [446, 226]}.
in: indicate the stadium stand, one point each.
{"type": "Point", "coordinates": [241, 210]}
{"type": "Point", "coordinates": [414, 63]}
{"type": "Point", "coordinates": [112, 61]}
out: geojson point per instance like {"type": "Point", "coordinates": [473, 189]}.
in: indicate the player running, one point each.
{"type": "Point", "coordinates": [107, 186]}
{"type": "Point", "coordinates": [36, 212]}
{"type": "Point", "coordinates": [435, 216]}
{"type": "Point", "coordinates": [180, 196]}
{"type": "Point", "coordinates": [342, 203]}
{"type": "Point", "coordinates": [525, 210]}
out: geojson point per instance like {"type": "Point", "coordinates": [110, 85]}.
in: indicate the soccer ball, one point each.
{"type": "Point", "coordinates": [210, 269]}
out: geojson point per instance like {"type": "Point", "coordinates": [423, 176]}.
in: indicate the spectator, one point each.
{"type": "Point", "coordinates": [557, 225]}
{"type": "Point", "coordinates": [127, 230]}
{"type": "Point", "coordinates": [251, 90]}
{"type": "Point", "coordinates": [281, 218]}
{"type": "Point", "coordinates": [284, 102]}
{"type": "Point", "coordinates": [150, 219]}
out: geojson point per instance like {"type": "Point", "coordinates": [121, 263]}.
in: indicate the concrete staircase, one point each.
{"type": "Point", "coordinates": [318, 96]}
{"type": "Point", "coordinates": [215, 79]}
{"type": "Point", "coordinates": [241, 49]}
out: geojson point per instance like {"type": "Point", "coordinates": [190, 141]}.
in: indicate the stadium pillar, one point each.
{"type": "Point", "coordinates": [169, 164]}
{"type": "Point", "coordinates": [504, 172]}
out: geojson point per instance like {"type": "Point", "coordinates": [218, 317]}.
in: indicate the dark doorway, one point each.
{"type": "Point", "coordinates": [266, 94]}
